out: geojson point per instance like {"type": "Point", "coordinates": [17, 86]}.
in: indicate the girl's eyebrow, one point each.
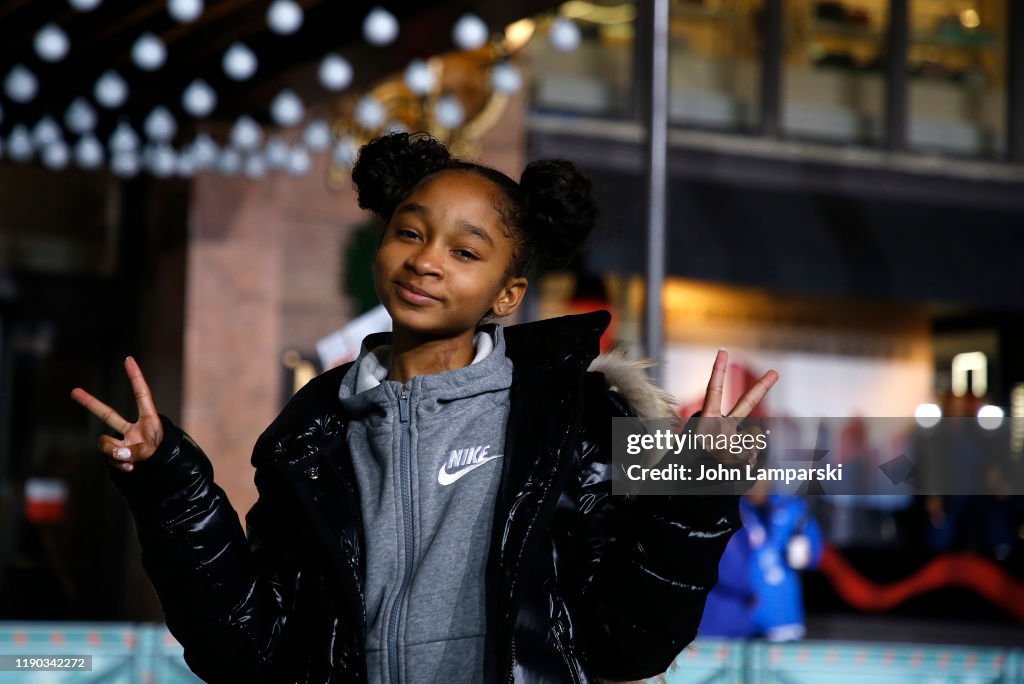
{"type": "Point", "coordinates": [477, 230]}
{"type": "Point", "coordinates": [424, 211]}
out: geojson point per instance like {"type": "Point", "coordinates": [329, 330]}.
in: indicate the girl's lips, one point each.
{"type": "Point", "coordinates": [413, 297]}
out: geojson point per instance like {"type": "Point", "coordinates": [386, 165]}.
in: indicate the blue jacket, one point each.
{"type": "Point", "coordinates": [779, 608]}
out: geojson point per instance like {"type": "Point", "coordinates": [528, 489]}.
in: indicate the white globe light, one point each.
{"type": "Point", "coordinates": [239, 62]}
{"type": "Point", "coordinates": [396, 127]}
{"type": "Point", "coordinates": [111, 91]}
{"type": "Point", "coordinates": [284, 17]}
{"type": "Point", "coordinates": [184, 10]}
{"type": "Point", "coordinates": [449, 112]}
{"type": "Point", "coordinates": [928, 415]}
{"type": "Point", "coordinates": [370, 112]}
{"type": "Point", "coordinates": [564, 35]}
{"type": "Point", "coordinates": [51, 43]}
{"type": "Point", "coordinates": [186, 167]}
{"type": "Point", "coordinates": [419, 77]}
{"type": "Point", "coordinates": [246, 133]}
{"type": "Point", "coordinates": [255, 166]}
{"type": "Point", "coordinates": [21, 85]}
{"type": "Point", "coordinates": [84, 5]}
{"type": "Point", "coordinates": [80, 116]}
{"type": "Point", "coordinates": [335, 72]}
{"type": "Point", "coordinates": [46, 132]}
{"type": "Point", "coordinates": [205, 152]}
{"type": "Point", "coordinates": [161, 160]}
{"type": "Point", "coordinates": [470, 32]}
{"type": "Point", "coordinates": [990, 417]}
{"type": "Point", "coordinates": [298, 161]}
{"type": "Point", "coordinates": [344, 153]}
{"type": "Point", "coordinates": [88, 152]}
{"type": "Point", "coordinates": [276, 153]}
{"type": "Point", "coordinates": [229, 162]}
{"type": "Point", "coordinates": [380, 27]}
{"type": "Point", "coordinates": [56, 155]}
{"type": "Point", "coordinates": [148, 52]}
{"type": "Point", "coordinates": [125, 164]}
{"type": "Point", "coordinates": [123, 139]}
{"type": "Point", "coordinates": [318, 135]}
{"type": "Point", "coordinates": [199, 99]}
{"type": "Point", "coordinates": [160, 125]}
{"type": "Point", "coordinates": [19, 144]}
{"type": "Point", "coordinates": [505, 78]}
{"type": "Point", "coordinates": [286, 108]}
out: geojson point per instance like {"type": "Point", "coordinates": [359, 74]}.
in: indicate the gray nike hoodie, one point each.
{"type": "Point", "coordinates": [427, 459]}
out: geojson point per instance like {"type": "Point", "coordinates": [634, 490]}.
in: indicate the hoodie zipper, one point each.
{"type": "Point", "coordinates": [405, 483]}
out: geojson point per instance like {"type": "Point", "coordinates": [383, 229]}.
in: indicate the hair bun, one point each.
{"type": "Point", "coordinates": [388, 167]}
{"type": "Point", "coordinates": [559, 209]}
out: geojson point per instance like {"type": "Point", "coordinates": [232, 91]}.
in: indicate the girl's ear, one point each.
{"type": "Point", "coordinates": [509, 297]}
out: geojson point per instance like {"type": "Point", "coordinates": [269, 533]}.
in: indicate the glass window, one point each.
{"type": "Point", "coordinates": [834, 70]}
{"type": "Point", "coordinates": [593, 78]}
{"type": "Point", "coordinates": [957, 85]}
{"type": "Point", "coordinates": [714, 67]}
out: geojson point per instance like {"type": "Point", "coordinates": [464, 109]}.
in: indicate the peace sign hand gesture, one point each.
{"type": "Point", "coordinates": [713, 422]}
{"type": "Point", "coordinates": [141, 438]}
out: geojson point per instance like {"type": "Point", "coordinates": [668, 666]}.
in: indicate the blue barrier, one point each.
{"type": "Point", "coordinates": [129, 653]}
{"type": "Point", "coordinates": [714, 661]}
{"type": "Point", "coordinates": [122, 653]}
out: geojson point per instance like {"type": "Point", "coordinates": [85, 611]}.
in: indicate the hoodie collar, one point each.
{"type": "Point", "coordinates": [376, 363]}
{"type": "Point", "coordinates": [489, 371]}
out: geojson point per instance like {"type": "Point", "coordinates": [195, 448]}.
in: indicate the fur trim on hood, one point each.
{"type": "Point", "coordinates": [628, 377]}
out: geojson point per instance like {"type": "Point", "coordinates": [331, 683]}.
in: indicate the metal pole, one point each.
{"type": "Point", "coordinates": [896, 76]}
{"type": "Point", "coordinates": [772, 29]}
{"type": "Point", "coordinates": [657, 152]}
{"type": "Point", "coordinates": [1015, 81]}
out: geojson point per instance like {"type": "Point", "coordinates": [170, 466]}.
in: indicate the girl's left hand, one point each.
{"type": "Point", "coordinates": [712, 421]}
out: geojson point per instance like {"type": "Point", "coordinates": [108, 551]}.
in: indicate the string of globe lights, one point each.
{"type": "Point", "coordinates": [247, 148]}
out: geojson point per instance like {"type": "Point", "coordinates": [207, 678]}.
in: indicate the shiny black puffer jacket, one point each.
{"type": "Point", "coordinates": [580, 584]}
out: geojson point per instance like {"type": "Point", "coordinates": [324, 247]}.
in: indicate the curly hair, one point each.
{"type": "Point", "coordinates": [549, 213]}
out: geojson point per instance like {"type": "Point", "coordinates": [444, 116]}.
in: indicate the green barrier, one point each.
{"type": "Point", "coordinates": [127, 653]}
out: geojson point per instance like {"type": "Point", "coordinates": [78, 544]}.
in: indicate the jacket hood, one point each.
{"type": "Point", "coordinates": [554, 341]}
{"type": "Point", "coordinates": [628, 377]}
{"type": "Point", "coordinates": [550, 342]}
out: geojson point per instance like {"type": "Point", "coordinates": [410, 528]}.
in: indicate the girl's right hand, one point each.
{"type": "Point", "coordinates": [141, 438]}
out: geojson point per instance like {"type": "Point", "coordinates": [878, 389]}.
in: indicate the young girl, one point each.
{"type": "Point", "coordinates": [439, 509]}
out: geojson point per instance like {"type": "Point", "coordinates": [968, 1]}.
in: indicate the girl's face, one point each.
{"type": "Point", "coordinates": [443, 260]}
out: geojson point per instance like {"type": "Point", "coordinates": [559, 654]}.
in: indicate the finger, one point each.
{"type": "Point", "coordinates": [108, 415]}
{"type": "Point", "coordinates": [118, 455]}
{"type": "Point", "coordinates": [713, 397]}
{"type": "Point", "coordinates": [143, 397]}
{"type": "Point", "coordinates": [754, 395]}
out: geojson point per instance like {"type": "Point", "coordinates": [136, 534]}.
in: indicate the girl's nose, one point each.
{"type": "Point", "coordinates": [424, 261]}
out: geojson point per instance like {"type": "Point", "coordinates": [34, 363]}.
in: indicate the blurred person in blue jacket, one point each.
{"type": "Point", "coordinates": [784, 540]}
{"type": "Point", "coordinates": [759, 591]}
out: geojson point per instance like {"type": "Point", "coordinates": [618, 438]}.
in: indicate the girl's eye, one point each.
{"type": "Point", "coordinates": [466, 255]}
{"type": "Point", "coordinates": [405, 232]}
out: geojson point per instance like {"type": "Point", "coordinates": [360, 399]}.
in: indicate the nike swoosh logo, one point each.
{"type": "Point", "coordinates": [447, 477]}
